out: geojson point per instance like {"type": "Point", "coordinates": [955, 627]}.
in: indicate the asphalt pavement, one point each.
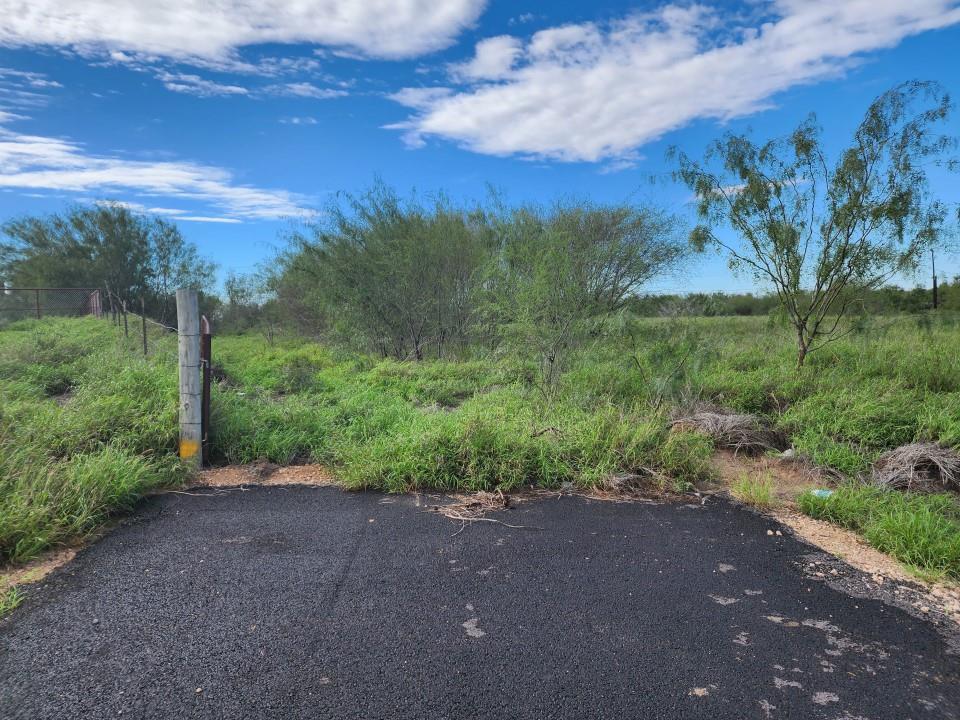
{"type": "Point", "coordinates": [317, 603]}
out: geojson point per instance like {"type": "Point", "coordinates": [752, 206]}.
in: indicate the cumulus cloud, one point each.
{"type": "Point", "coordinates": [200, 29]}
{"type": "Point", "coordinates": [494, 58]}
{"type": "Point", "coordinates": [37, 162]}
{"type": "Point", "coordinates": [594, 92]}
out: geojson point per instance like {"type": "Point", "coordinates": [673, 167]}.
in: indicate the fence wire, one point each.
{"type": "Point", "coordinates": [23, 303]}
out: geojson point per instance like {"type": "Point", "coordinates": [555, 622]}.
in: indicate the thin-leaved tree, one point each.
{"type": "Point", "coordinates": [822, 232]}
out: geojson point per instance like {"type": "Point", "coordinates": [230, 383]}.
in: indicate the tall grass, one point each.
{"type": "Point", "coordinates": [86, 426]}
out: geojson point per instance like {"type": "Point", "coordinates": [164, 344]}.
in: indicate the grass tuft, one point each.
{"type": "Point", "coordinates": [757, 491]}
{"type": "Point", "coordinates": [10, 600]}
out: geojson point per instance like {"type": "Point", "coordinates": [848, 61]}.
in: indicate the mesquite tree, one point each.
{"type": "Point", "coordinates": [560, 272]}
{"type": "Point", "coordinates": [397, 274]}
{"type": "Point", "coordinates": [823, 233]}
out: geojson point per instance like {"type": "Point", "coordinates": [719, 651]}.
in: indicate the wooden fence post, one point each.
{"type": "Point", "coordinates": [188, 343]}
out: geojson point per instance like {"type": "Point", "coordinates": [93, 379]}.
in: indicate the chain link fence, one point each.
{"type": "Point", "coordinates": [23, 303]}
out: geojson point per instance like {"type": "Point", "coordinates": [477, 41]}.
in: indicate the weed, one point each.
{"type": "Point", "coordinates": [755, 490]}
{"type": "Point", "coordinates": [68, 462]}
{"type": "Point", "coordinates": [10, 600]}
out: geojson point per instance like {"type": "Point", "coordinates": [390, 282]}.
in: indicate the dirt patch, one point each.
{"type": "Point", "coordinates": [264, 474]}
{"type": "Point", "coordinates": [35, 570]}
{"type": "Point", "coordinates": [790, 477]}
{"type": "Point", "coordinates": [845, 544]}
{"type": "Point", "coordinates": [883, 575]}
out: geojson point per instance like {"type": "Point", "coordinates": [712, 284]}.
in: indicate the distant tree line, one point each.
{"type": "Point", "coordinates": [887, 300]}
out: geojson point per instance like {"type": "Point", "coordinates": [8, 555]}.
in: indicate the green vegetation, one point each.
{"type": "Point", "coordinates": [822, 234]}
{"type": "Point", "coordinates": [756, 491]}
{"type": "Point", "coordinates": [130, 256]}
{"type": "Point", "coordinates": [920, 530]}
{"type": "Point", "coordinates": [10, 599]}
{"type": "Point", "coordinates": [88, 425]}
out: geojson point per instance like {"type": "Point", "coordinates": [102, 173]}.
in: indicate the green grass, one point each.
{"type": "Point", "coordinates": [922, 531]}
{"type": "Point", "coordinates": [67, 462]}
{"type": "Point", "coordinates": [10, 600]}
{"type": "Point", "coordinates": [755, 491]}
{"type": "Point", "coordinates": [87, 425]}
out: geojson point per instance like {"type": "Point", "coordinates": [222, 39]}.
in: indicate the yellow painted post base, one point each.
{"type": "Point", "coordinates": [189, 449]}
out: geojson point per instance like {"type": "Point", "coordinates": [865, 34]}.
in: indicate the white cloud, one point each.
{"type": "Point", "coordinates": [307, 120]}
{"type": "Point", "coordinates": [592, 92]}
{"type": "Point", "coordinates": [36, 162]}
{"type": "Point", "coordinates": [33, 79]}
{"type": "Point", "coordinates": [304, 90]}
{"type": "Point", "coordinates": [24, 89]}
{"type": "Point", "coordinates": [208, 219]}
{"type": "Point", "coordinates": [494, 58]}
{"type": "Point", "coordinates": [196, 85]}
{"type": "Point", "coordinates": [201, 29]}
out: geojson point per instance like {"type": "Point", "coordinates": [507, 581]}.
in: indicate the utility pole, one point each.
{"type": "Point", "coordinates": [188, 344]}
{"type": "Point", "coordinates": [933, 268]}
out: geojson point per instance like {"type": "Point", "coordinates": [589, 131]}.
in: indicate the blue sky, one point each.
{"type": "Point", "coordinates": [239, 120]}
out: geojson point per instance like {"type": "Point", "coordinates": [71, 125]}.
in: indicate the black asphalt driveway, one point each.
{"type": "Point", "coordinates": [316, 603]}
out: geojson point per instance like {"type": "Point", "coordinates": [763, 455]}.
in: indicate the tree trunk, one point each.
{"type": "Point", "coordinates": [803, 347]}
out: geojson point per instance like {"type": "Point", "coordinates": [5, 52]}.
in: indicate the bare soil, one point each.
{"type": "Point", "coordinates": [264, 474]}
{"type": "Point", "coordinates": [790, 477]}
{"type": "Point", "coordinates": [35, 570]}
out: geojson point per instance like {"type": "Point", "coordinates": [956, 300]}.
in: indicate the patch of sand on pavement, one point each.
{"type": "Point", "coordinates": [845, 544]}
{"type": "Point", "coordinates": [939, 598]}
{"type": "Point", "coordinates": [264, 474]}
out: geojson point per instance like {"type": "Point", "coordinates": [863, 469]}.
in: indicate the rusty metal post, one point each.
{"type": "Point", "coordinates": [206, 338]}
{"type": "Point", "coordinates": [126, 328]}
{"type": "Point", "coordinates": [37, 293]}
